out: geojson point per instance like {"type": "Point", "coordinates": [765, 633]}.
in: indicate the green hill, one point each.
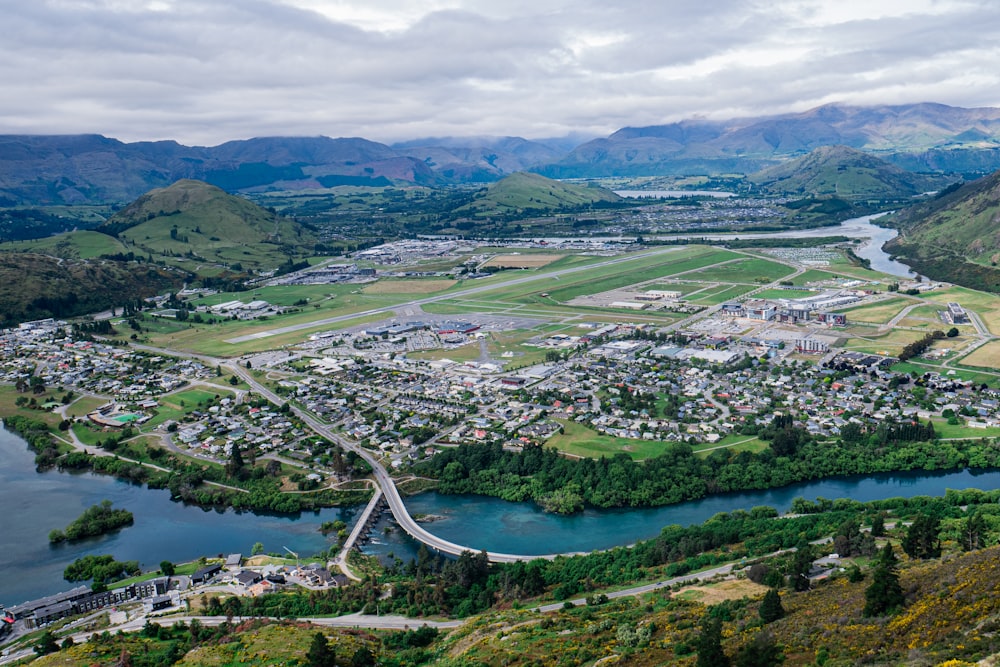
{"type": "Point", "coordinates": [524, 192]}
{"type": "Point", "coordinates": [71, 245]}
{"type": "Point", "coordinates": [194, 222]}
{"type": "Point", "coordinates": [954, 236]}
{"type": "Point", "coordinates": [34, 286]}
{"type": "Point", "coordinates": [846, 173]}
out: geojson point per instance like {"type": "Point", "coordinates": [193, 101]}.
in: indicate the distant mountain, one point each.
{"type": "Point", "coordinates": [955, 236]}
{"type": "Point", "coordinates": [478, 159]}
{"type": "Point", "coordinates": [202, 222]}
{"type": "Point", "coordinates": [524, 192]}
{"type": "Point", "coordinates": [918, 137]}
{"type": "Point", "coordinates": [847, 173]}
{"type": "Point", "coordinates": [88, 169]}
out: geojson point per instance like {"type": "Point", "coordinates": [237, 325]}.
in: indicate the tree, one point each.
{"type": "Point", "coordinates": [922, 539]}
{"type": "Point", "coordinates": [319, 653]}
{"type": "Point", "coordinates": [952, 332]}
{"type": "Point", "coordinates": [258, 548]}
{"type": "Point", "coordinates": [771, 608]}
{"type": "Point", "coordinates": [46, 644]}
{"type": "Point", "coordinates": [761, 652]}
{"type": "Point", "coordinates": [709, 644]}
{"type": "Point", "coordinates": [801, 565]}
{"type": "Point", "coordinates": [362, 658]}
{"type": "Point", "coordinates": [884, 595]}
{"type": "Point", "coordinates": [974, 532]}
{"type": "Point", "coordinates": [878, 525]}
{"type": "Point", "coordinates": [167, 568]}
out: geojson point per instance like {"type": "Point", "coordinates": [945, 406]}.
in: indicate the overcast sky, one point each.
{"type": "Point", "coordinates": [207, 71]}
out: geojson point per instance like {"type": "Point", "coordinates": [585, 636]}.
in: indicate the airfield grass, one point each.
{"type": "Point", "coordinates": [396, 286]}
{"type": "Point", "coordinates": [528, 261]}
{"type": "Point", "coordinates": [923, 366]}
{"type": "Point", "coordinates": [726, 293]}
{"type": "Point", "coordinates": [744, 269]}
{"type": "Point", "coordinates": [877, 313]}
{"type": "Point", "coordinates": [813, 276]}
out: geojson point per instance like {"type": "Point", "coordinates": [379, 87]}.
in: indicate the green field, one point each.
{"type": "Point", "coordinates": [713, 297]}
{"type": "Point", "coordinates": [743, 270]}
{"type": "Point", "coordinates": [784, 294]}
{"type": "Point", "coordinates": [877, 313]}
{"type": "Point", "coordinates": [578, 440]}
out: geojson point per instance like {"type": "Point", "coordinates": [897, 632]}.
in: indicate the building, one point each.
{"type": "Point", "coordinates": [206, 573]}
{"type": "Point", "coordinates": [811, 345]}
{"type": "Point", "coordinates": [629, 305]}
{"type": "Point", "coordinates": [956, 314]}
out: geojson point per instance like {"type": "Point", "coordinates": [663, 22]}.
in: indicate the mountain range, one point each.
{"type": "Point", "coordinates": [89, 169]}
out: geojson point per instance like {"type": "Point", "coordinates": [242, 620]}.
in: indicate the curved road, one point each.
{"type": "Point", "coordinates": [382, 478]}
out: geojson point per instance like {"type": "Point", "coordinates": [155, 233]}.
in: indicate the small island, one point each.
{"type": "Point", "coordinates": [96, 520]}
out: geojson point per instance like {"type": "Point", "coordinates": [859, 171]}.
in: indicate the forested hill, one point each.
{"type": "Point", "coordinates": [954, 237]}
{"type": "Point", "coordinates": [34, 286]}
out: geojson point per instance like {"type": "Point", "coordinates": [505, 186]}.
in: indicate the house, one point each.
{"type": "Point", "coordinates": [233, 562]}
{"type": "Point", "coordinates": [247, 578]}
{"type": "Point", "coordinates": [206, 573]}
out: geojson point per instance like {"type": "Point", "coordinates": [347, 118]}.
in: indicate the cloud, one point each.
{"type": "Point", "coordinates": [207, 71]}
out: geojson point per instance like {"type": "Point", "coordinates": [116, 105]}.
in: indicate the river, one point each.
{"type": "Point", "coordinates": [34, 503]}
{"type": "Point", "coordinates": [855, 228]}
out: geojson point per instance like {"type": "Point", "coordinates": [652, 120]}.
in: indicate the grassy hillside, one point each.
{"type": "Point", "coordinates": [199, 222]}
{"type": "Point", "coordinates": [954, 237]}
{"type": "Point", "coordinates": [71, 245]}
{"type": "Point", "coordinates": [845, 173]}
{"type": "Point", "coordinates": [524, 192]}
{"type": "Point", "coordinates": [34, 286]}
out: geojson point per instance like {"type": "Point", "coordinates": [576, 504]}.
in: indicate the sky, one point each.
{"type": "Point", "coordinates": [203, 72]}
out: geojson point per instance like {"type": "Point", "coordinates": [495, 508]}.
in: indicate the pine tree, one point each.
{"type": "Point", "coordinates": [884, 595]}
{"type": "Point", "coordinates": [801, 565]}
{"type": "Point", "coordinates": [709, 644]}
{"type": "Point", "coordinates": [922, 539]}
{"type": "Point", "coordinates": [319, 654]}
{"type": "Point", "coordinates": [761, 652]}
{"type": "Point", "coordinates": [974, 532]}
{"type": "Point", "coordinates": [771, 608]}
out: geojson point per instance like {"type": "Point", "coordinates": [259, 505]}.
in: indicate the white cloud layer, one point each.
{"type": "Point", "coordinates": [207, 71]}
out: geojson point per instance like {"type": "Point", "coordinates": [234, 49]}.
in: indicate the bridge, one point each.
{"type": "Point", "coordinates": [382, 478]}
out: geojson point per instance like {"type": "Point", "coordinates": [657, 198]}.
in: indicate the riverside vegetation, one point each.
{"type": "Point", "coordinates": [95, 520]}
{"type": "Point", "coordinates": [892, 603]}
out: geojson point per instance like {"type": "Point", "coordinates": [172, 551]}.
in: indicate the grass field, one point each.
{"type": "Point", "coordinates": [578, 440]}
{"type": "Point", "coordinates": [715, 296]}
{"type": "Point", "coordinates": [890, 343]}
{"type": "Point", "coordinates": [987, 356]}
{"type": "Point", "coordinates": [784, 294]}
{"type": "Point", "coordinates": [987, 305]}
{"type": "Point", "coordinates": [531, 261]}
{"type": "Point", "coordinates": [813, 276]}
{"type": "Point", "coordinates": [743, 270]}
{"type": "Point", "coordinates": [395, 286]}
{"type": "Point", "coordinates": [877, 313]}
